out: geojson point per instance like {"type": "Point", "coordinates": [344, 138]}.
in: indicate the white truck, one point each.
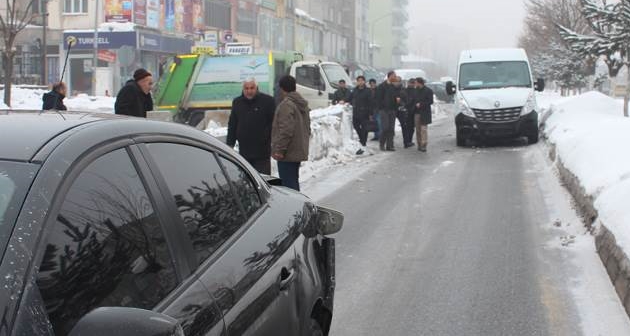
{"type": "Point", "coordinates": [495, 95]}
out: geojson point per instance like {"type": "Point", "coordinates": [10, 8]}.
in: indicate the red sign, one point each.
{"type": "Point", "coordinates": [118, 10]}
{"type": "Point", "coordinates": [140, 12]}
{"type": "Point", "coordinates": [107, 56]}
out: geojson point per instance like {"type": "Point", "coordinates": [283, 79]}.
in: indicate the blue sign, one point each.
{"type": "Point", "coordinates": [165, 44]}
{"type": "Point", "coordinates": [106, 40]}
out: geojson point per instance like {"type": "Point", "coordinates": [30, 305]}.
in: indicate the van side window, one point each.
{"type": "Point", "coordinates": [106, 247]}
{"type": "Point", "coordinates": [202, 194]}
{"type": "Point", "coordinates": [308, 75]}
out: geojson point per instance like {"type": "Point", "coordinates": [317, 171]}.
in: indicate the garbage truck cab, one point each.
{"type": "Point", "coordinates": [495, 95]}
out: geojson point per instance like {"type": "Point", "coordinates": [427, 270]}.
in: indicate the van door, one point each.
{"type": "Point", "coordinates": [310, 84]}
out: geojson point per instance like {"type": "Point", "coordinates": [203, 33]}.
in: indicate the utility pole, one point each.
{"type": "Point", "coordinates": [44, 49]}
{"type": "Point", "coordinates": [95, 59]}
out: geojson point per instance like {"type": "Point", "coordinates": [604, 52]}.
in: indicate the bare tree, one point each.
{"type": "Point", "coordinates": [17, 15]}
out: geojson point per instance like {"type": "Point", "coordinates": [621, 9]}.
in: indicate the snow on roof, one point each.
{"type": "Point", "coordinates": [416, 59]}
{"type": "Point", "coordinates": [108, 26]}
{"type": "Point", "coordinates": [304, 14]}
{"type": "Point", "coordinates": [492, 55]}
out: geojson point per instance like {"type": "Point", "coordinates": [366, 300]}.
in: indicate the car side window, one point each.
{"type": "Point", "coordinates": [245, 188]}
{"type": "Point", "coordinates": [202, 194]}
{"type": "Point", "coordinates": [306, 75]}
{"type": "Point", "coordinates": [106, 247]}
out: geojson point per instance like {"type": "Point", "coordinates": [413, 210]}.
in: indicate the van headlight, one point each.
{"type": "Point", "coordinates": [462, 107]}
{"type": "Point", "coordinates": [530, 105]}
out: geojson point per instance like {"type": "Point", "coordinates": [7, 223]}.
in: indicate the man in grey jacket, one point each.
{"type": "Point", "coordinates": [290, 133]}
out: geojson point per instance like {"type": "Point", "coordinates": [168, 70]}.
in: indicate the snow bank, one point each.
{"type": "Point", "coordinates": [591, 138]}
{"type": "Point", "coordinates": [31, 99]}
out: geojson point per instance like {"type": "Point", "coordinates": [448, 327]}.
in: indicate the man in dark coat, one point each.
{"type": "Point", "coordinates": [362, 102]}
{"type": "Point", "coordinates": [342, 95]}
{"type": "Point", "coordinates": [423, 118]}
{"type": "Point", "coordinates": [134, 99]}
{"type": "Point", "coordinates": [387, 102]}
{"type": "Point", "coordinates": [53, 100]}
{"type": "Point", "coordinates": [250, 124]}
{"type": "Point", "coordinates": [377, 116]}
{"type": "Point", "coordinates": [411, 98]}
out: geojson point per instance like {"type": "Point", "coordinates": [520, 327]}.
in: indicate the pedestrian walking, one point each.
{"type": "Point", "coordinates": [374, 111]}
{"type": "Point", "coordinates": [423, 118]}
{"type": "Point", "coordinates": [401, 111]}
{"type": "Point", "coordinates": [411, 98]}
{"type": "Point", "coordinates": [250, 123]}
{"type": "Point", "coordinates": [290, 133]}
{"type": "Point", "coordinates": [134, 99]}
{"type": "Point", "coordinates": [361, 100]}
{"type": "Point", "coordinates": [387, 102]}
{"type": "Point", "coordinates": [53, 100]}
{"type": "Point", "coordinates": [342, 94]}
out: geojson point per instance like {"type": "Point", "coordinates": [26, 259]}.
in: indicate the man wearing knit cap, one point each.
{"type": "Point", "coordinates": [134, 99]}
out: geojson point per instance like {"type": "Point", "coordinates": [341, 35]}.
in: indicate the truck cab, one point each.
{"type": "Point", "coordinates": [495, 95]}
{"type": "Point", "coordinates": [317, 81]}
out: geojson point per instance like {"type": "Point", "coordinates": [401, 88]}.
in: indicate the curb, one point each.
{"type": "Point", "coordinates": [615, 261]}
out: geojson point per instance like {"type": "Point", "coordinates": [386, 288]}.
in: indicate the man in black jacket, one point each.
{"type": "Point", "coordinates": [423, 116]}
{"type": "Point", "coordinates": [53, 100]}
{"type": "Point", "coordinates": [411, 98]}
{"type": "Point", "coordinates": [250, 124]}
{"type": "Point", "coordinates": [134, 99]}
{"type": "Point", "coordinates": [361, 100]}
{"type": "Point", "coordinates": [387, 102]}
{"type": "Point", "coordinates": [342, 95]}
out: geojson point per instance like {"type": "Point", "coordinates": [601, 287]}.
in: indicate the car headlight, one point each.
{"type": "Point", "coordinates": [462, 107]}
{"type": "Point", "coordinates": [530, 105]}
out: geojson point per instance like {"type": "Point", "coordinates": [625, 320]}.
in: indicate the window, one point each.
{"type": "Point", "coordinates": [244, 187]}
{"type": "Point", "coordinates": [106, 247]}
{"type": "Point", "coordinates": [75, 6]}
{"type": "Point", "coordinates": [308, 75]}
{"type": "Point", "coordinates": [202, 194]}
{"type": "Point", "coordinates": [218, 14]}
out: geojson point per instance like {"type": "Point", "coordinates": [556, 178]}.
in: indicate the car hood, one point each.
{"type": "Point", "coordinates": [488, 99]}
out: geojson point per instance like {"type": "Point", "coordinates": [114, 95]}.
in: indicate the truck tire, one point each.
{"type": "Point", "coordinates": [315, 329]}
{"type": "Point", "coordinates": [459, 139]}
{"type": "Point", "coordinates": [532, 136]}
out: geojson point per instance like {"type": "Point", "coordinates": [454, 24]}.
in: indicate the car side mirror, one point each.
{"type": "Point", "coordinates": [539, 85]}
{"type": "Point", "coordinates": [331, 96]}
{"type": "Point", "coordinates": [122, 321]}
{"type": "Point", "coordinates": [451, 89]}
{"type": "Point", "coordinates": [272, 180]}
{"type": "Point", "coordinates": [329, 221]}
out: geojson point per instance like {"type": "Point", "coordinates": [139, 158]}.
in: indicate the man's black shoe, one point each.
{"type": "Point", "coordinates": [360, 151]}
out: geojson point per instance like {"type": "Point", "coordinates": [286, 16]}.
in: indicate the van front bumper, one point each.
{"type": "Point", "coordinates": [470, 127]}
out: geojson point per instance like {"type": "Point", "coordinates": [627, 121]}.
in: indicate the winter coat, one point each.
{"type": "Point", "coordinates": [291, 129]}
{"type": "Point", "coordinates": [386, 95]}
{"type": "Point", "coordinates": [250, 124]}
{"type": "Point", "coordinates": [425, 98]}
{"type": "Point", "coordinates": [53, 100]}
{"type": "Point", "coordinates": [132, 101]}
{"type": "Point", "coordinates": [362, 103]}
{"type": "Point", "coordinates": [341, 94]}
{"type": "Point", "coordinates": [411, 99]}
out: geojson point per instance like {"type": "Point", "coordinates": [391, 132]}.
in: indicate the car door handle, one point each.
{"type": "Point", "coordinates": [286, 278]}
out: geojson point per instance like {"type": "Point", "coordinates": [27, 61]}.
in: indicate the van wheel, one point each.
{"type": "Point", "coordinates": [461, 142]}
{"type": "Point", "coordinates": [532, 136]}
{"type": "Point", "coordinates": [315, 329]}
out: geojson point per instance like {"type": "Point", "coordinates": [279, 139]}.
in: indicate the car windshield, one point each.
{"type": "Point", "coordinates": [494, 75]}
{"type": "Point", "coordinates": [15, 178]}
{"type": "Point", "coordinates": [335, 73]}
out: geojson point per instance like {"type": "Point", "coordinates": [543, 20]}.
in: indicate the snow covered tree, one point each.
{"type": "Point", "coordinates": [15, 15]}
{"type": "Point", "coordinates": [610, 39]}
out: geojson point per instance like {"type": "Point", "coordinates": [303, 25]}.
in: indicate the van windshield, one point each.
{"type": "Point", "coordinates": [494, 75]}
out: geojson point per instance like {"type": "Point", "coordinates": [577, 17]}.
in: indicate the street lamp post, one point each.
{"type": "Point", "coordinates": [95, 59]}
{"type": "Point", "coordinates": [44, 63]}
{"type": "Point", "coordinates": [372, 24]}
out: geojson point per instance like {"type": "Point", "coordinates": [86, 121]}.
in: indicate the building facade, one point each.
{"type": "Point", "coordinates": [388, 32]}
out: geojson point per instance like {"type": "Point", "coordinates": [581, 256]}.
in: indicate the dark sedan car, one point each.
{"type": "Point", "coordinates": [115, 226]}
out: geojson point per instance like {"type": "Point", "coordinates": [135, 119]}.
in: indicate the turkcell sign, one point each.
{"type": "Point", "coordinates": [105, 40]}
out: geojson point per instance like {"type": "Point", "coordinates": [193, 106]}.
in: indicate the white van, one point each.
{"type": "Point", "coordinates": [495, 95]}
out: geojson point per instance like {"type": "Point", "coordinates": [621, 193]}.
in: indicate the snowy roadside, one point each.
{"type": "Point", "coordinates": [588, 136]}
{"type": "Point", "coordinates": [31, 99]}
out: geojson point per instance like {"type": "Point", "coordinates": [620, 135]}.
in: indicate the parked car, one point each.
{"type": "Point", "coordinates": [439, 90]}
{"type": "Point", "coordinates": [120, 226]}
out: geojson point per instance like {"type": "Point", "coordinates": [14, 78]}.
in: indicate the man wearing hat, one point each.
{"type": "Point", "coordinates": [134, 99]}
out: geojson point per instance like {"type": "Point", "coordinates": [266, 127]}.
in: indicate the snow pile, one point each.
{"type": "Point", "coordinates": [216, 130]}
{"type": "Point", "coordinates": [591, 137]}
{"type": "Point", "coordinates": [31, 99]}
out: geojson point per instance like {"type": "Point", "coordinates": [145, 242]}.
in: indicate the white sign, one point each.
{"type": "Point", "coordinates": [211, 39]}
{"type": "Point", "coordinates": [238, 49]}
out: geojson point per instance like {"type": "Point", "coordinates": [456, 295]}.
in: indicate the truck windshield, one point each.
{"type": "Point", "coordinates": [15, 179]}
{"type": "Point", "coordinates": [335, 73]}
{"type": "Point", "coordinates": [494, 75]}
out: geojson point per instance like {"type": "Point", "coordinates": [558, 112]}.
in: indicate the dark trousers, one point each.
{"type": "Point", "coordinates": [388, 123]}
{"type": "Point", "coordinates": [409, 127]}
{"type": "Point", "coordinates": [359, 126]}
{"type": "Point", "coordinates": [263, 166]}
{"type": "Point", "coordinates": [289, 174]}
{"type": "Point", "coordinates": [377, 133]}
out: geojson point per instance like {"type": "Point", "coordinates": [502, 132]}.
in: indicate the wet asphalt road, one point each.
{"type": "Point", "coordinates": [449, 242]}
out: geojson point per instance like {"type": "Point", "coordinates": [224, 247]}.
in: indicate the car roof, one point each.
{"type": "Point", "coordinates": [492, 55]}
{"type": "Point", "coordinates": [23, 134]}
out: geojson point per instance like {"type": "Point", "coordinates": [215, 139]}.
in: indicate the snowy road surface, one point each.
{"type": "Point", "coordinates": [463, 241]}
